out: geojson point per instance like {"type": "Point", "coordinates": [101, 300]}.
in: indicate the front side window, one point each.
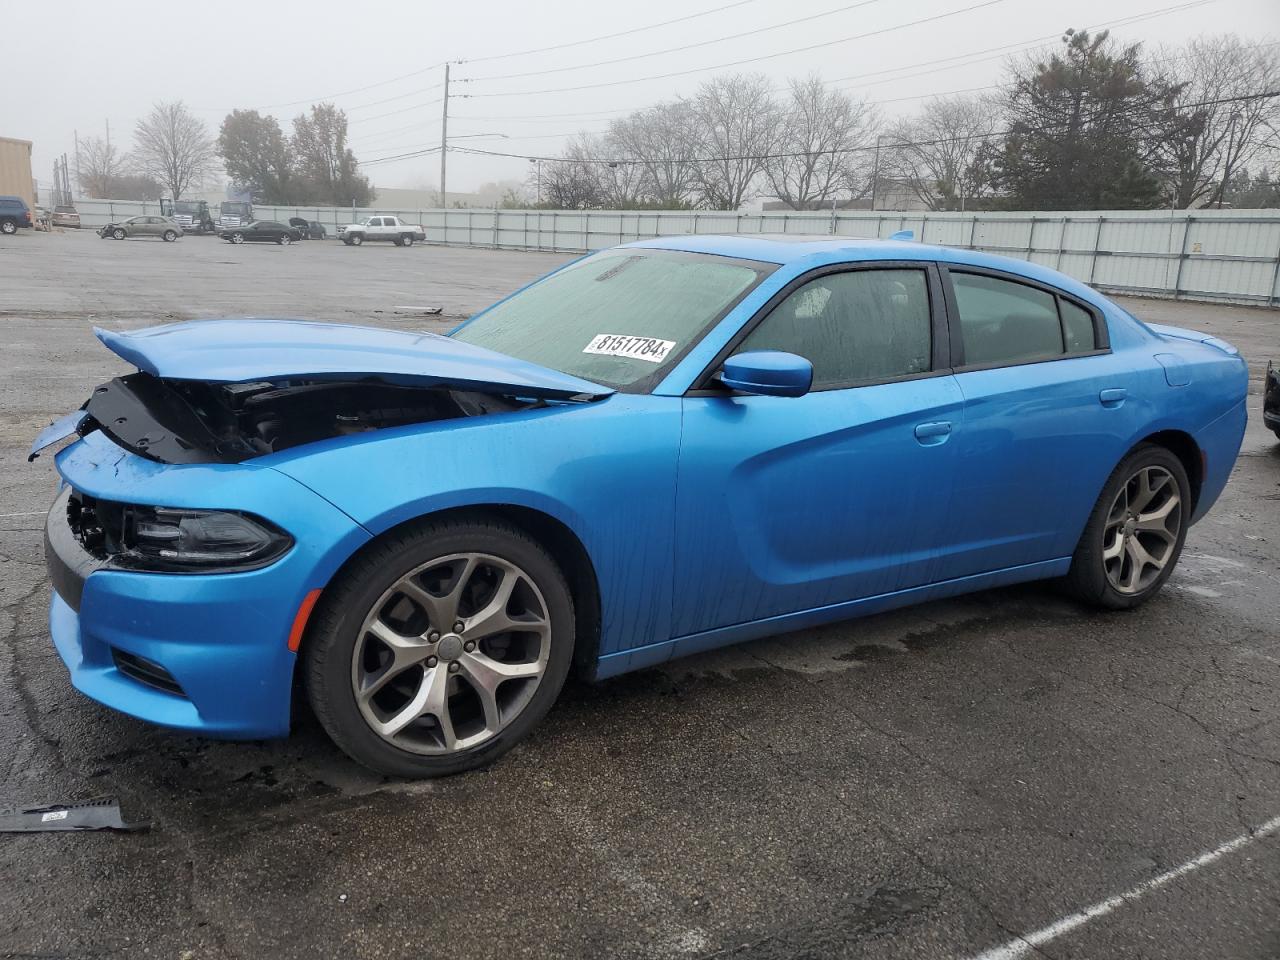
{"type": "Point", "coordinates": [621, 317]}
{"type": "Point", "coordinates": [854, 327]}
{"type": "Point", "coordinates": [1006, 322]}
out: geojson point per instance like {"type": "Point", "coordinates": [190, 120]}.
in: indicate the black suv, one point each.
{"type": "Point", "coordinates": [14, 213]}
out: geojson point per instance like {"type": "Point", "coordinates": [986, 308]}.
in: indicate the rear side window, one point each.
{"type": "Point", "coordinates": [1077, 327]}
{"type": "Point", "coordinates": [855, 327]}
{"type": "Point", "coordinates": [1005, 322]}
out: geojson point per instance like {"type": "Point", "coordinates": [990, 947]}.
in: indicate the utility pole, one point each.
{"type": "Point", "coordinates": [875, 173]}
{"type": "Point", "coordinates": [76, 134]}
{"type": "Point", "coordinates": [444, 139]}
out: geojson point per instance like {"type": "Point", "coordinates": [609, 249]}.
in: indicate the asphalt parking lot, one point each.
{"type": "Point", "coordinates": [1001, 770]}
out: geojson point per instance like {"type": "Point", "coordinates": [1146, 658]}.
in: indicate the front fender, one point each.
{"type": "Point", "coordinates": [606, 470]}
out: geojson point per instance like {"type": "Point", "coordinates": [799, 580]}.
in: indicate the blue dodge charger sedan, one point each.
{"type": "Point", "coordinates": [657, 449]}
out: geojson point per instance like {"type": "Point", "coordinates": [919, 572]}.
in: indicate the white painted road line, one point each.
{"type": "Point", "coordinates": [1023, 945]}
{"type": "Point", "coordinates": [30, 513]}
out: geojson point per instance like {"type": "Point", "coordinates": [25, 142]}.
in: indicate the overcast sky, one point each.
{"type": "Point", "coordinates": [87, 63]}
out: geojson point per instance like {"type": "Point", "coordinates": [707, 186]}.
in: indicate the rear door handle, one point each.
{"type": "Point", "coordinates": [1113, 396]}
{"type": "Point", "coordinates": [932, 433]}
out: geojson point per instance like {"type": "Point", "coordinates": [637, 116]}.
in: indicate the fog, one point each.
{"type": "Point", "coordinates": [88, 66]}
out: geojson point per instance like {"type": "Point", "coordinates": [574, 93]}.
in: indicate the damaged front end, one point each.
{"type": "Point", "coordinates": [225, 391]}
{"type": "Point", "coordinates": [192, 421]}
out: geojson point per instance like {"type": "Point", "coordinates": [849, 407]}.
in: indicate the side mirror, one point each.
{"type": "Point", "coordinates": [769, 373]}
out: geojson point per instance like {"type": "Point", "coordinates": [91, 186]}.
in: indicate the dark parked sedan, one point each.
{"type": "Point", "coordinates": [263, 231]}
{"type": "Point", "coordinates": [310, 229]}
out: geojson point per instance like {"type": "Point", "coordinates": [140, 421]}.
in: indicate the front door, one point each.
{"type": "Point", "coordinates": [790, 504]}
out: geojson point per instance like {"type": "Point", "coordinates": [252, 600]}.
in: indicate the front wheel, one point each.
{"type": "Point", "coordinates": [355, 240]}
{"type": "Point", "coordinates": [408, 240]}
{"type": "Point", "coordinates": [1135, 534]}
{"type": "Point", "coordinates": [8, 227]}
{"type": "Point", "coordinates": [284, 240]}
{"type": "Point", "coordinates": [440, 648]}
{"type": "Point", "coordinates": [237, 238]}
{"type": "Point", "coordinates": [170, 236]}
{"type": "Point", "coordinates": [118, 234]}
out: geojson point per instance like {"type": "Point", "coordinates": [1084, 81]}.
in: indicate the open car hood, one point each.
{"type": "Point", "coordinates": [264, 350]}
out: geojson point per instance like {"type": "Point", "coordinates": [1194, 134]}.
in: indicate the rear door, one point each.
{"type": "Point", "coordinates": [1047, 412]}
{"type": "Point", "coordinates": [789, 504]}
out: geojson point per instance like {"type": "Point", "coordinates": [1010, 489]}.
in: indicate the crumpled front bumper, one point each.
{"type": "Point", "coordinates": [221, 638]}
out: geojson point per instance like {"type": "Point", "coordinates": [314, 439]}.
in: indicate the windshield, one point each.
{"type": "Point", "coordinates": [240, 209]}
{"type": "Point", "coordinates": [182, 206]}
{"type": "Point", "coordinates": [619, 317]}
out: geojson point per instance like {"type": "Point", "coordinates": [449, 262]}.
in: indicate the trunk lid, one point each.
{"type": "Point", "coordinates": [262, 350]}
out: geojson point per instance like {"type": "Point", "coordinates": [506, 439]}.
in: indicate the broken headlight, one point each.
{"type": "Point", "coordinates": [205, 541]}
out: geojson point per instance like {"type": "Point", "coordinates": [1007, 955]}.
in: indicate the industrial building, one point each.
{"type": "Point", "coordinates": [15, 170]}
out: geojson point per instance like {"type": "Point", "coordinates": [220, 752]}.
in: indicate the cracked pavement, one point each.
{"type": "Point", "coordinates": [926, 783]}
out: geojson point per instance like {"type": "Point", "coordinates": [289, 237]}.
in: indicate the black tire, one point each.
{"type": "Point", "coordinates": [118, 234]}
{"type": "Point", "coordinates": [398, 241]}
{"type": "Point", "coordinates": [331, 637]}
{"type": "Point", "coordinates": [1087, 579]}
{"type": "Point", "coordinates": [169, 236]}
{"type": "Point", "coordinates": [236, 237]}
{"type": "Point", "coordinates": [8, 227]}
{"type": "Point", "coordinates": [355, 239]}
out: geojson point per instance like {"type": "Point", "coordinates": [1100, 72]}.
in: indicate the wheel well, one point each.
{"type": "Point", "coordinates": [1184, 447]}
{"type": "Point", "coordinates": [558, 540]}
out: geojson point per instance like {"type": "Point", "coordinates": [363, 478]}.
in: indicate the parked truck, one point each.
{"type": "Point", "coordinates": [193, 215]}
{"type": "Point", "coordinates": [234, 213]}
{"type": "Point", "coordinates": [381, 228]}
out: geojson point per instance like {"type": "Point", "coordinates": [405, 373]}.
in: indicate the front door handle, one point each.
{"type": "Point", "coordinates": [1112, 397]}
{"type": "Point", "coordinates": [932, 433]}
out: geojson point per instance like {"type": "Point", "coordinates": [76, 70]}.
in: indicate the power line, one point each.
{"type": "Point", "coordinates": [398, 96]}
{"type": "Point", "coordinates": [608, 36]}
{"type": "Point", "coordinates": [736, 63]}
{"type": "Point", "coordinates": [688, 46]}
{"type": "Point", "coordinates": [346, 93]}
{"type": "Point", "coordinates": [630, 161]}
{"type": "Point", "coordinates": [392, 113]}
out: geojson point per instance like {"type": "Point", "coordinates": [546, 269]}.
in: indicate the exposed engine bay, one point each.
{"type": "Point", "coordinates": [194, 421]}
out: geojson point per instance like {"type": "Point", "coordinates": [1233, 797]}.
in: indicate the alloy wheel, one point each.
{"type": "Point", "coordinates": [451, 653]}
{"type": "Point", "coordinates": [1142, 530]}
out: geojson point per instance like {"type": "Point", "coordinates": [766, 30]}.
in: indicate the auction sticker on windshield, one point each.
{"type": "Point", "coordinates": [637, 348]}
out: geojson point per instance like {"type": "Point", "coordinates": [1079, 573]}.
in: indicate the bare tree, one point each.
{"type": "Point", "coordinates": [1228, 123]}
{"type": "Point", "coordinates": [174, 147]}
{"type": "Point", "coordinates": [100, 166]}
{"type": "Point", "coordinates": [623, 184]}
{"type": "Point", "coordinates": [572, 182]}
{"type": "Point", "coordinates": [737, 123]}
{"type": "Point", "coordinates": [943, 155]}
{"type": "Point", "coordinates": [818, 154]}
{"type": "Point", "coordinates": [663, 140]}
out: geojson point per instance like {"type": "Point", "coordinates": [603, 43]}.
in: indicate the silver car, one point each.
{"type": "Point", "coordinates": [164, 227]}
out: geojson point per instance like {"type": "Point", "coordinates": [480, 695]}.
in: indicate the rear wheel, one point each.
{"type": "Point", "coordinates": [440, 648]}
{"type": "Point", "coordinates": [1135, 534]}
{"type": "Point", "coordinates": [8, 227]}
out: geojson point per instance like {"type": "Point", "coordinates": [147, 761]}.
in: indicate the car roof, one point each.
{"type": "Point", "coordinates": [806, 250]}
